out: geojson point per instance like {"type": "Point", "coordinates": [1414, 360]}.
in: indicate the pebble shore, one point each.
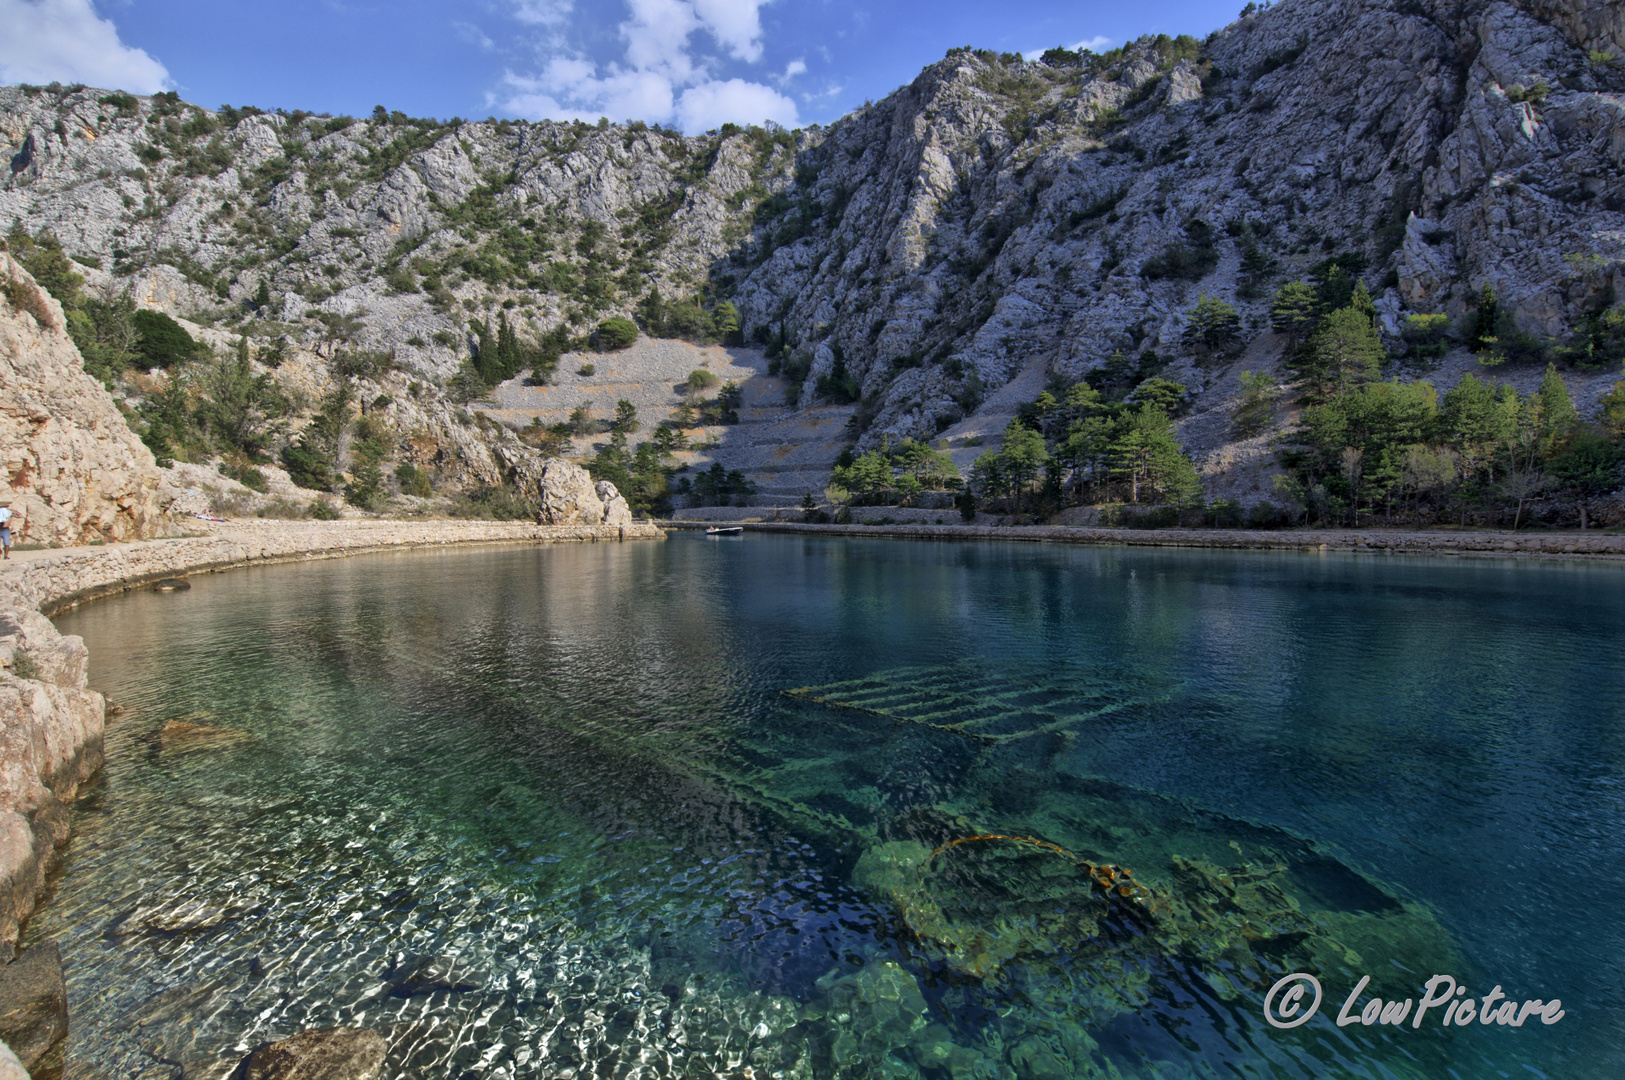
{"type": "Point", "coordinates": [56, 579]}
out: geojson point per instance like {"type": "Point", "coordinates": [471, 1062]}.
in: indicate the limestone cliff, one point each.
{"type": "Point", "coordinates": [74, 471]}
{"type": "Point", "coordinates": [50, 743]}
{"type": "Point", "coordinates": [992, 218]}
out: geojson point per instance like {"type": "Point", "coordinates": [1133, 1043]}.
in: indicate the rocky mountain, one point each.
{"type": "Point", "coordinates": [995, 219]}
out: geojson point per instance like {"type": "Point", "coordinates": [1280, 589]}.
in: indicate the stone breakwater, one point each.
{"type": "Point", "coordinates": [1416, 543]}
{"type": "Point", "coordinates": [51, 723]}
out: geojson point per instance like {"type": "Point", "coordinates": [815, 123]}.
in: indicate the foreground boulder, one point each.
{"type": "Point", "coordinates": [569, 497]}
{"type": "Point", "coordinates": [33, 1004]}
{"type": "Point", "coordinates": [333, 1054]}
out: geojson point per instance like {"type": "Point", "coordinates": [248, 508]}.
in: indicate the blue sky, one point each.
{"type": "Point", "coordinates": [688, 63]}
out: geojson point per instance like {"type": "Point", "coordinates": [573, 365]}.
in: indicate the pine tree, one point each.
{"type": "Point", "coordinates": [1361, 301]}
{"type": "Point", "coordinates": [1293, 312]}
{"type": "Point", "coordinates": [262, 296]}
{"type": "Point", "coordinates": [1021, 458]}
{"type": "Point", "coordinates": [509, 359]}
{"type": "Point", "coordinates": [1212, 326]}
{"type": "Point", "coordinates": [1146, 455]}
{"type": "Point", "coordinates": [486, 360]}
{"type": "Point", "coordinates": [1344, 352]}
{"type": "Point", "coordinates": [1483, 335]}
{"type": "Point", "coordinates": [1336, 289]}
{"type": "Point", "coordinates": [1555, 415]}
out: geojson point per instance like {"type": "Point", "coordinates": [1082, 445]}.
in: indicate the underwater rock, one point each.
{"type": "Point", "coordinates": [331, 1054]}
{"type": "Point", "coordinates": [178, 737]}
{"type": "Point", "coordinates": [33, 1003]}
{"type": "Point", "coordinates": [415, 976]}
{"type": "Point", "coordinates": [171, 584]}
{"type": "Point", "coordinates": [187, 916]}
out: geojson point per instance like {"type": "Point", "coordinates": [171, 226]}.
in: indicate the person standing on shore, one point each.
{"type": "Point", "coordinates": [5, 528]}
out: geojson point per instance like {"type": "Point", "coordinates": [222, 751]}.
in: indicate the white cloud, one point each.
{"type": "Point", "coordinates": [660, 77]}
{"type": "Point", "coordinates": [542, 12]}
{"type": "Point", "coordinates": [66, 41]}
{"type": "Point", "coordinates": [736, 24]}
{"type": "Point", "coordinates": [657, 36]}
{"type": "Point", "coordinates": [711, 104]}
{"type": "Point", "coordinates": [1094, 44]}
{"type": "Point", "coordinates": [569, 89]}
{"type": "Point", "coordinates": [474, 36]}
{"type": "Point", "coordinates": [792, 69]}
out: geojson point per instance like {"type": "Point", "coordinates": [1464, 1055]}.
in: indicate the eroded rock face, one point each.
{"type": "Point", "coordinates": [76, 472]}
{"type": "Point", "coordinates": [334, 1054]}
{"type": "Point", "coordinates": [569, 497]}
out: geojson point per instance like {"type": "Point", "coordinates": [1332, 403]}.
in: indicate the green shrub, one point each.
{"type": "Point", "coordinates": [248, 476]}
{"type": "Point", "coordinates": [23, 666]}
{"type": "Point", "coordinates": [496, 502]}
{"type": "Point", "coordinates": [413, 481]}
{"type": "Point", "coordinates": [160, 340]}
{"type": "Point", "coordinates": [321, 511]}
{"type": "Point", "coordinates": [1426, 335]}
{"type": "Point", "coordinates": [615, 334]}
{"type": "Point", "coordinates": [307, 467]}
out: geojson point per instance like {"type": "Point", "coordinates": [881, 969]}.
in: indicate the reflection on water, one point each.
{"type": "Point", "coordinates": [823, 808]}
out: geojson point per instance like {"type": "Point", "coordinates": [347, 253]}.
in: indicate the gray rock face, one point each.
{"type": "Point", "coordinates": [569, 497]}
{"type": "Point", "coordinates": [334, 1054]}
{"type": "Point", "coordinates": [987, 218]}
{"type": "Point", "coordinates": [33, 1003]}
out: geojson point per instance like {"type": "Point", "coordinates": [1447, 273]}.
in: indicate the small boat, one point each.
{"type": "Point", "coordinates": [724, 530]}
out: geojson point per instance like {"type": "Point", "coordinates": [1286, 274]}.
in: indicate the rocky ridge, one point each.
{"type": "Point", "coordinates": [992, 215]}
{"type": "Point", "coordinates": [992, 218]}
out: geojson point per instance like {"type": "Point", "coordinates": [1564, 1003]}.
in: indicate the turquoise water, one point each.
{"type": "Point", "coordinates": [690, 808]}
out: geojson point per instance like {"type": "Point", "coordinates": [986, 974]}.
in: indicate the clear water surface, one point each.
{"type": "Point", "coordinates": [691, 808]}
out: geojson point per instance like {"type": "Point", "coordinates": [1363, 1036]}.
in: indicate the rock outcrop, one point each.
{"type": "Point", "coordinates": [569, 497]}
{"type": "Point", "coordinates": [74, 471]}
{"type": "Point", "coordinates": [50, 743]}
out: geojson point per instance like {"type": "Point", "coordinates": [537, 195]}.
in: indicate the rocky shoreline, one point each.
{"type": "Point", "coordinates": [51, 723]}
{"type": "Point", "coordinates": [1438, 542]}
